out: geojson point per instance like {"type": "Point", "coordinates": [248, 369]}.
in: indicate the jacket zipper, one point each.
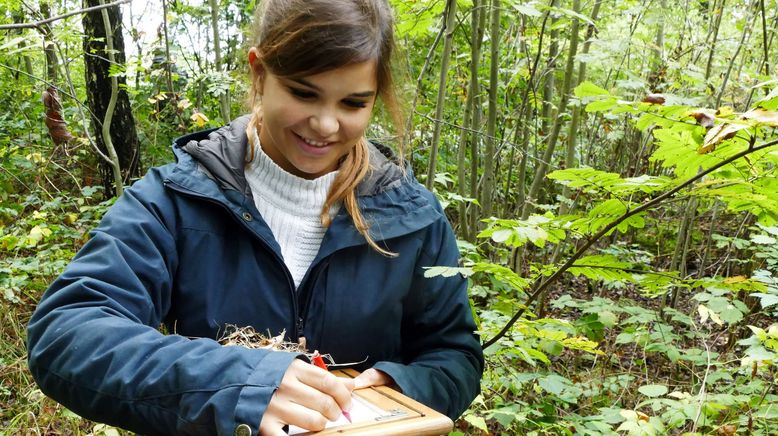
{"type": "Point", "coordinates": [304, 295]}
{"type": "Point", "coordinates": [297, 320]}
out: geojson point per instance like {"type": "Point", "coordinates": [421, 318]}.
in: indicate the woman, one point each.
{"type": "Point", "coordinates": [287, 220]}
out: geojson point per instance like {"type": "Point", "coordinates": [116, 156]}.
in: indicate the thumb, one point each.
{"type": "Point", "coordinates": [372, 377]}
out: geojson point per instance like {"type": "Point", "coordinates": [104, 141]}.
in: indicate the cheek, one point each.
{"type": "Point", "coordinates": [356, 125]}
{"type": "Point", "coordinates": [282, 116]}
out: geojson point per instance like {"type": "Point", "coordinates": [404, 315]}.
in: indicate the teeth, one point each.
{"type": "Point", "coordinates": [314, 143]}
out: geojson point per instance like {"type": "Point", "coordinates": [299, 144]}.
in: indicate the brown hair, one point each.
{"type": "Point", "coordinates": [297, 38]}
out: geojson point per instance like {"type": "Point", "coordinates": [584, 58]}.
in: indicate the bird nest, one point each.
{"type": "Point", "coordinates": [250, 338]}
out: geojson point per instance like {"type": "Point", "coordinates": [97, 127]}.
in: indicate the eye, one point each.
{"type": "Point", "coordinates": [302, 94]}
{"type": "Point", "coordinates": [355, 103]}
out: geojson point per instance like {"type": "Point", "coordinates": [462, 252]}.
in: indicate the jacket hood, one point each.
{"type": "Point", "coordinates": [390, 198]}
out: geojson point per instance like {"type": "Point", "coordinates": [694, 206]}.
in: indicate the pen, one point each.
{"type": "Point", "coordinates": [317, 360]}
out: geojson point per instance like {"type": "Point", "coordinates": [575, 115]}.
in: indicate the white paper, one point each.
{"type": "Point", "coordinates": [361, 411]}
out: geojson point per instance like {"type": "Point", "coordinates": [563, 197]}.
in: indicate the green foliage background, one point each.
{"type": "Point", "coordinates": [638, 294]}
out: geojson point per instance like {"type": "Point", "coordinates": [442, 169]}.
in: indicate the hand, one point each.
{"type": "Point", "coordinates": [307, 397]}
{"type": "Point", "coordinates": [373, 377]}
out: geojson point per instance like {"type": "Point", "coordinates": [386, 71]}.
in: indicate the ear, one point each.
{"type": "Point", "coordinates": [257, 67]}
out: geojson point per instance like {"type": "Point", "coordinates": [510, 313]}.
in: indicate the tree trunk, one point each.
{"type": "Point", "coordinates": [224, 99]}
{"type": "Point", "coordinates": [542, 168]}
{"type": "Point", "coordinates": [712, 50]}
{"type": "Point", "coordinates": [572, 132]}
{"type": "Point", "coordinates": [475, 127]}
{"type": "Point", "coordinates": [465, 133]}
{"type": "Point", "coordinates": [746, 33]}
{"type": "Point", "coordinates": [451, 14]}
{"type": "Point", "coordinates": [656, 76]}
{"type": "Point", "coordinates": [123, 135]}
{"type": "Point", "coordinates": [487, 192]}
{"type": "Point", "coordinates": [549, 83]}
{"type": "Point", "coordinates": [52, 62]}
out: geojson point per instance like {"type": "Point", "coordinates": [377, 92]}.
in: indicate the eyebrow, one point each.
{"type": "Point", "coordinates": [304, 82]}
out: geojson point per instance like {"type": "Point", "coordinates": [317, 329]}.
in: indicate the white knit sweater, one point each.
{"type": "Point", "coordinates": [291, 206]}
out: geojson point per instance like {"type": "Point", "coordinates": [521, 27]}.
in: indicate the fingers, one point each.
{"type": "Point", "coordinates": [307, 397]}
{"type": "Point", "coordinates": [295, 414]}
{"type": "Point", "coordinates": [337, 388]}
{"type": "Point", "coordinates": [274, 428]}
{"type": "Point", "coordinates": [372, 377]}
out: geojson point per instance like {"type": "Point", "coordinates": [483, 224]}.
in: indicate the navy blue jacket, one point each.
{"type": "Point", "coordinates": [185, 247]}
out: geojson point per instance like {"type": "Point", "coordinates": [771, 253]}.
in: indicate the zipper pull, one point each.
{"type": "Point", "coordinates": [300, 333]}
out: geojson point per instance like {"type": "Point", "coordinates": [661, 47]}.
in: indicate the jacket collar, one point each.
{"type": "Point", "coordinates": [211, 163]}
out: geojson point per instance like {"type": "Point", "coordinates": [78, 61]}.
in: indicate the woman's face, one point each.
{"type": "Point", "coordinates": [309, 123]}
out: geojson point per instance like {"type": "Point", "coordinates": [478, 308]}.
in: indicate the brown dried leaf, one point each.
{"type": "Point", "coordinates": [718, 134]}
{"type": "Point", "coordinates": [726, 430]}
{"type": "Point", "coordinates": [722, 132]}
{"type": "Point", "coordinates": [654, 99]}
{"type": "Point", "coordinates": [54, 121]}
{"type": "Point", "coordinates": [704, 118]}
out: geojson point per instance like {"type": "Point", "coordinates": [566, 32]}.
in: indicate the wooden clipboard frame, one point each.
{"type": "Point", "coordinates": [413, 418]}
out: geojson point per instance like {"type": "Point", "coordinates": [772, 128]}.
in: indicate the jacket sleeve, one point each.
{"type": "Point", "coordinates": [94, 346]}
{"type": "Point", "coordinates": [443, 356]}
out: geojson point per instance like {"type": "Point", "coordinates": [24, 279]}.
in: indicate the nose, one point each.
{"type": "Point", "coordinates": [325, 123]}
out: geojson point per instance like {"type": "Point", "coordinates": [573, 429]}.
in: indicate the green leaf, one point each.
{"type": "Point", "coordinates": [553, 383]}
{"type": "Point", "coordinates": [572, 14]}
{"type": "Point", "coordinates": [527, 9]}
{"type": "Point", "coordinates": [589, 89]}
{"type": "Point", "coordinates": [608, 318]}
{"type": "Point", "coordinates": [446, 271]}
{"type": "Point", "coordinates": [766, 300]}
{"type": "Point", "coordinates": [477, 422]}
{"type": "Point", "coordinates": [653, 390]}
{"type": "Point", "coordinates": [763, 239]}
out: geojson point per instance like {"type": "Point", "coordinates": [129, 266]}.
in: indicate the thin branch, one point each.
{"type": "Point", "coordinates": [37, 24]}
{"type": "Point", "coordinates": [541, 285]}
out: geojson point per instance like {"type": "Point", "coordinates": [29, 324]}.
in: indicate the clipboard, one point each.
{"type": "Point", "coordinates": [380, 410]}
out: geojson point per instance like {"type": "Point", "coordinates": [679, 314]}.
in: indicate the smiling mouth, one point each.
{"type": "Point", "coordinates": [313, 143]}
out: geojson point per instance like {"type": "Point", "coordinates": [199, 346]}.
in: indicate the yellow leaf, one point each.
{"type": "Point", "coordinates": [199, 119]}
{"type": "Point", "coordinates": [37, 215]}
{"type": "Point", "coordinates": [35, 158]}
{"type": "Point", "coordinates": [70, 218]}
{"type": "Point", "coordinates": [724, 111]}
{"type": "Point", "coordinates": [37, 233]}
{"type": "Point", "coordinates": [183, 104]}
{"type": "Point", "coordinates": [735, 279]}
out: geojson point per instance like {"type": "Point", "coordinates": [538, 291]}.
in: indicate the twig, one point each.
{"type": "Point", "coordinates": [37, 24]}
{"type": "Point", "coordinates": [106, 131]}
{"type": "Point", "coordinates": [702, 387]}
